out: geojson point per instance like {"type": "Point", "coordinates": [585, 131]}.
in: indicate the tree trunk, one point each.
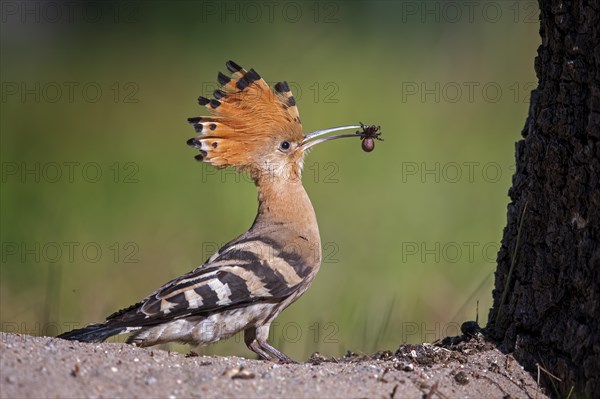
{"type": "Point", "coordinates": [547, 290]}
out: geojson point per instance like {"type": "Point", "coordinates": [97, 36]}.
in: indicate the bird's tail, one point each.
{"type": "Point", "coordinates": [92, 333]}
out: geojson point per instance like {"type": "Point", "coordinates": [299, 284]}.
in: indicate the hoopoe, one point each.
{"type": "Point", "coordinates": [250, 280]}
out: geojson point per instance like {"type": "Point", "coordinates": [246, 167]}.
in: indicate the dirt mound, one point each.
{"type": "Point", "coordinates": [42, 367]}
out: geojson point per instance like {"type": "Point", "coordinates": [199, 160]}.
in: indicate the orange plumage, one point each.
{"type": "Point", "coordinates": [251, 119]}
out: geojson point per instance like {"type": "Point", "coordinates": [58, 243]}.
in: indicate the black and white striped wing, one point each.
{"type": "Point", "coordinates": [238, 275]}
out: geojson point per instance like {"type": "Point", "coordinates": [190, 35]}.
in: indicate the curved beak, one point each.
{"type": "Point", "coordinates": [315, 137]}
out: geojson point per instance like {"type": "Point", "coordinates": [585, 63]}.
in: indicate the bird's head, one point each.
{"type": "Point", "coordinates": [254, 128]}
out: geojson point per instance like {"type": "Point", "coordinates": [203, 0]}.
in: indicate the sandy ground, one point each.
{"type": "Point", "coordinates": [44, 367]}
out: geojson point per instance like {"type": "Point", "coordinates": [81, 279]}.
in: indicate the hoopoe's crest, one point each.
{"type": "Point", "coordinates": [249, 122]}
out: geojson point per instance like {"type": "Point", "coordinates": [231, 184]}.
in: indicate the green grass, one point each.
{"type": "Point", "coordinates": [391, 273]}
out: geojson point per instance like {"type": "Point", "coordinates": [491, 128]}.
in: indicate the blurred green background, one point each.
{"type": "Point", "coordinates": [102, 201]}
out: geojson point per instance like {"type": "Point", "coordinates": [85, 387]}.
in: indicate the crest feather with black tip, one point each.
{"type": "Point", "coordinates": [246, 115]}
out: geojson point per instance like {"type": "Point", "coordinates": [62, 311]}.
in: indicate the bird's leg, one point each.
{"type": "Point", "coordinates": [256, 340]}
{"type": "Point", "coordinates": [253, 344]}
{"type": "Point", "coordinates": [278, 354]}
{"type": "Point", "coordinates": [262, 334]}
{"type": "Point", "coordinates": [255, 347]}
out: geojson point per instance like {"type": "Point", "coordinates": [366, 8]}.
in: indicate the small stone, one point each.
{"type": "Point", "coordinates": [404, 366]}
{"type": "Point", "coordinates": [470, 328]}
{"type": "Point", "coordinates": [239, 373]}
{"type": "Point", "coordinates": [150, 380]}
{"type": "Point", "coordinates": [461, 378]}
{"type": "Point", "coordinates": [316, 359]}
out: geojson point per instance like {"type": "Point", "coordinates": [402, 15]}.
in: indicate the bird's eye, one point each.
{"type": "Point", "coordinates": [285, 145]}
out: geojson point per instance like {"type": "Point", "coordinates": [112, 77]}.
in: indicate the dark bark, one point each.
{"type": "Point", "coordinates": [550, 314]}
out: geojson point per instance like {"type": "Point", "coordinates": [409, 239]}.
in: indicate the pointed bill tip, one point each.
{"type": "Point", "coordinates": [366, 132]}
